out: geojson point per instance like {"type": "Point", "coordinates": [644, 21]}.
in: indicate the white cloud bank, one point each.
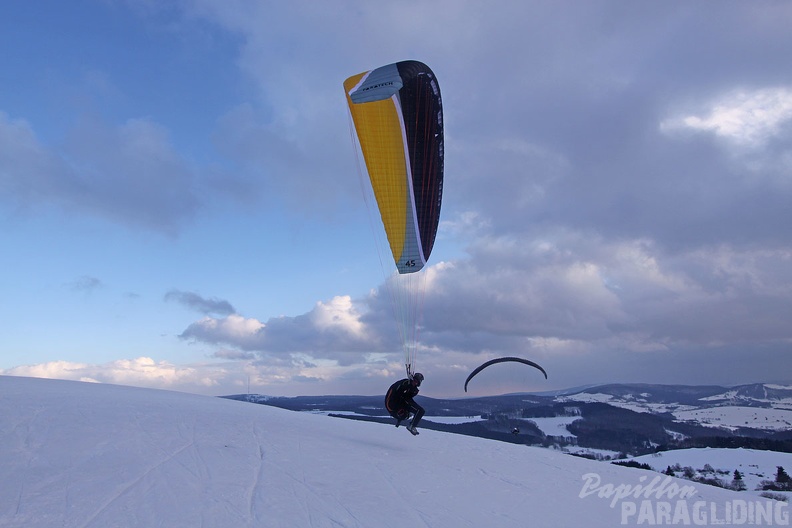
{"type": "Point", "coordinates": [747, 117]}
{"type": "Point", "coordinates": [139, 371]}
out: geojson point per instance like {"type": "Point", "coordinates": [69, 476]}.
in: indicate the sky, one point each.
{"type": "Point", "coordinates": [147, 458]}
{"type": "Point", "coordinates": [181, 208]}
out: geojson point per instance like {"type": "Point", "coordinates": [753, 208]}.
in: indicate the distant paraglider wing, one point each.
{"type": "Point", "coordinates": [502, 360]}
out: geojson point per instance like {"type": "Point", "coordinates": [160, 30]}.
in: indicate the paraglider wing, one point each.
{"type": "Point", "coordinates": [398, 119]}
{"type": "Point", "coordinates": [502, 360]}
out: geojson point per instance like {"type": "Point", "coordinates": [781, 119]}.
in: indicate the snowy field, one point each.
{"type": "Point", "coordinates": [625, 402]}
{"type": "Point", "coordinates": [754, 465]}
{"type": "Point", "coordinates": [730, 416]}
{"type": "Point", "coordinates": [734, 417]}
{"type": "Point", "coordinates": [733, 396]}
{"type": "Point", "coordinates": [555, 426]}
{"type": "Point", "coordinates": [94, 456]}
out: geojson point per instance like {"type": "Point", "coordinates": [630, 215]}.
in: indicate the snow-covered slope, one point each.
{"type": "Point", "coordinates": [88, 455]}
{"type": "Point", "coordinates": [755, 466]}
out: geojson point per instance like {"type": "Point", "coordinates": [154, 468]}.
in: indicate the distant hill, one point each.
{"type": "Point", "coordinates": [605, 421]}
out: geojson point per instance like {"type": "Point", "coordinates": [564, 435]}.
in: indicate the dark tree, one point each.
{"type": "Point", "coordinates": [737, 482]}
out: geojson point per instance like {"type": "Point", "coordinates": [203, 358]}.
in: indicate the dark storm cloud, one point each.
{"type": "Point", "coordinates": [570, 127]}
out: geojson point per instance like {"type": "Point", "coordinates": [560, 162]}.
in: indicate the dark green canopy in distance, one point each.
{"type": "Point", "coordinates": [502, 360]}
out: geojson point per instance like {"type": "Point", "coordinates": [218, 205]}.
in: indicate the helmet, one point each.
{"type": "Point", "coordinates": [418, 377]}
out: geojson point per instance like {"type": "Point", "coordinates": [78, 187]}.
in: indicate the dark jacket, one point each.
{"type": "Point", "coordinates": [399, 398]}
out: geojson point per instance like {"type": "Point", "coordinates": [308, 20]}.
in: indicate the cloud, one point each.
{"type": "Point", "coordinates": [139, 371]}
{"type": "Point", "coordinates": [30, 172]}
{"type": "Point", "coordinates": [606, 292]}
{"type": "Point", "coordinates": [233, 329]}
{"type": "Point", "coordinates": [195, 302]}
{"type": "Point", "coordinates": [85, 284]}
{"type": "Point", "coordinates": [130, 173]}
{"type": "Point", "coordinates": [747, 118]}
{"type": "Point", "coordinates": [233, 355]}
{"type": "Point", "coordinates": [333, 331]}
{"type": "Point", "coordinates": [555, 298]}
